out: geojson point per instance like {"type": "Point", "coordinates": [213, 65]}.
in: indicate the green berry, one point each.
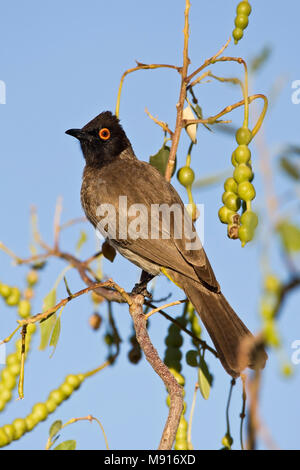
{"type": "Point", "coordinates": [14, 297]}
{"type": "Point", "coordinates": [272, 284]}
{"type": "Point", "coordinates": [242, 173]}
{"type": "Point", "coordinates": [225, 214]}
{"type": "Point", "coordinates": [230, 185]}
{"type": "Point", "coordinates": [243, 8]}
{"type": "Point", "coordinates": [192, 358]}
{"type": "Point", "coordinates": [12, 359]}
{"type": "Point", "coordinates": [20, 427]}
{"type": "Point", "coordinates": [31, 422]}
{"type": "Point", "coordinates": [267, 309]}
{"type": "Point", "coordinates": [243, 136]}
{"type": "Point", "coordinates": [237, 34]}
{"type": "Point", "coordinates": [31, 328]}
{"type": "Point", "coordinates": [8, 378]}
{"type": "Point", "coordinates": [39, 411]}
{"type": "Point", "coordinates": [173, 364]}
{"type": "Point", "coordinates": [270, 334]}
{"type": "Point", "coordinates": [3, 438]}
{"type": "Point", "coordinates": [246, 191]}
{"type": "Point", "coordinates": [9, 431]}
{"type": "Point", "coordinates": [180, 379]}
{"type": "Point", "coordinates": [287, 370]}
{"type": "Point", "coordinates": [73, 380]}
{"type": "Point", "coordinates": [227, 441]}
{"type": "Point", "coordinates": [249, 219]}
{"type": "Point", "coordinates": [5, 290]}
{"type": "Point", "coordinates": [109, 340]}
{"type": "Point", "coordinates": [24, 308]}
{"type": "Point", "coordinates": [174, 340]}
{"type": "Point", "coordinates": [180, 445]}
{"type": "Point", "coordinates": [231, 201]}
{"type": "Point", "coordinates": [6, 394]}
{"type": "Point", "coordinates": [186, 176]}
{"type": "Point", "coordinates": [57, 396]}
{"type": "Point", "coordinates": [242, 154]}
{"type": "Point", "coordinates": [67, 389]}
{"type": "Point", "coordinates": [241, 21]}
{"type": "Point", "coordinates": [32, 278]}
{"type": "Point", "coordinates": [15, 368]}
{"type": "Point", "coordinates": [51, 405]}
{"type": "Point", "coordinates": [173, 353]}
{"type": "Point", "coordinates": [245, 234]}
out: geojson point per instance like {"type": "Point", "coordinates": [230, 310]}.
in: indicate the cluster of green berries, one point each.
{"type": "Point", "coordinates": [13, 297]}
{"type": "Point", "coordinates": [135, 353]}
{"type": "Point", "coordinates": [40, 411]}
{"type": "Point", "coordinates": [173, 355]}
{"type": "Point", "coordinates": [12, 368]}
{"type": "Point", "coordinates": [237, 189]}
{"type": "Point", "coordinates": [243, 11]}
{"type": "Point", "coordinates": [192, 356]}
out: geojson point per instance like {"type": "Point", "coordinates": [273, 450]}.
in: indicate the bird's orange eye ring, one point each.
{"type": "Point", "coordinates": [104, 133]}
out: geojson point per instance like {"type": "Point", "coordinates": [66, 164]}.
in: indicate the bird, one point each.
{"type": "Point", "coordinates": [113, 176]}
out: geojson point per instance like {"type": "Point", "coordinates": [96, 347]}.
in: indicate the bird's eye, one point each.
{"type": "Point", "coordinates": [104, 133]}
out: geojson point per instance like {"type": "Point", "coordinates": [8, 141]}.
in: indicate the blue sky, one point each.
{"type": "Point", "coordinates": [62, 62]}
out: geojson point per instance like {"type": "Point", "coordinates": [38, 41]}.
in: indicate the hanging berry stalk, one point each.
{"type": "Point", "coordinates": [243, 11]}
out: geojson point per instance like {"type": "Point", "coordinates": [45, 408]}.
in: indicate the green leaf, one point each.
{"type": "Point", "coordinates": [160, 160]}
{"type": "Point", "coordinates": [204, 379]}
{"type": "Point", "coordinates": [66, 445]}
{"type": "Point", "coordinates": [260, 59]}
{"type": "Point", "coordinates": [46, 326]}
{"type": "Point", "coordinates": [81, 241]}
{"type": "Point", "coordinates": [289, 168]}
{"type": "Point", "coordinates": [290, 236]}
{"type": "Point", "coordinates": [55, 428]}
{"type": "Point", "coordinates": [55, 335]}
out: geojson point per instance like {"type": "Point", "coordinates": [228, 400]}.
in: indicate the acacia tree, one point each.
{"type": "Point", "coordinates": [241, 220]}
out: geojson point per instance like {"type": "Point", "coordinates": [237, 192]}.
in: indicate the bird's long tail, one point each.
{"type": "Point", "coordinates": [232, 339]}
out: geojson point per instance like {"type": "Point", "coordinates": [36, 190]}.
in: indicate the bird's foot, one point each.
{"type": "Point", "coordinates": [141, 288]}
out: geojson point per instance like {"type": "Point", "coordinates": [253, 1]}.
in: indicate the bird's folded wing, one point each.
{"type": "Point", "coordinates": [170, 247]}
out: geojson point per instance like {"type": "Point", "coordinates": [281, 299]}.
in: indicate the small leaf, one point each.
{"type": "Point", "coordinates": [204, 379]}
{"type": "Point", "coordinates": [191, 129]}
{"type": "Point", "coordinates": [290, 169]}
{"type": "Point", "coordinates": [66, 445]}
{"type": "Point", "coordinates": [260, 59]}
{"type": "Point", "coordinates": [160, 160]}
{"type": "Point", "coordinates": [46, 326]}
{"type": "Point", "coordinates": [55, 428]}
{"type": "Point", "coordinates": [290, 236]}
{"type": "Point", "coordinates": [55, 335]}
{"type": "Point", "coordinates": [81, 241]}
{"type": "Point", "coordinates": [108, 251]}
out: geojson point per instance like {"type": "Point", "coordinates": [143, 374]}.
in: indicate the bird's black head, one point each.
{"type": "Point", "coordinates": [101, 139]}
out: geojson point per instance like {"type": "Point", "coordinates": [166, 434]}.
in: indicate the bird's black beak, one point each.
{"type": "Point", "coordinates": [78, 133]}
